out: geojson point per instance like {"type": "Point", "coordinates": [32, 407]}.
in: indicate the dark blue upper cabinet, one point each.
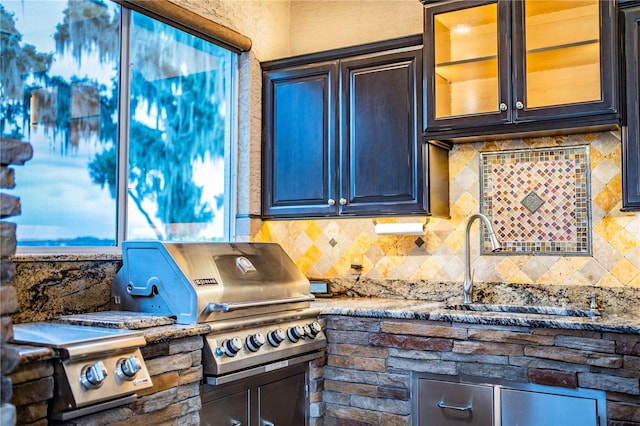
{"type": "Point", "coordinates": [502, 66]}
{"type": "Point", "coordinates": [380, 133]}
{"type": "Point", "coordinates": [299, 157]}
{"type": "Point", "coordinates": [630, 17]}
{"type": "Point", "coordinates": [343, 135]}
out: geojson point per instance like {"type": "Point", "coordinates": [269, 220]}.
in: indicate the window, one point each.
{"type": "Point", "coordinates": [131, 122]}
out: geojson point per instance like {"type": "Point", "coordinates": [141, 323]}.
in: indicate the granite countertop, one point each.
{"type": "Point", "coordinates": [117, 319]}
{"type": "Point", "coordinates": [159, 328]}
{"type": "Point", "coordinates": [154, 327]}
{"type": "Point", "coordinates": [29, 354]}
{"type": "Point", "coordinates": [437, 311]}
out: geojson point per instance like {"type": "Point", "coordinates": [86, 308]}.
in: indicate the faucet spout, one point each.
{"type": "Point", "coordinates": [467, 286]}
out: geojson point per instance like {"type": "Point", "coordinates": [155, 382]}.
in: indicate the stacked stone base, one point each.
{"type": "Point", "coordinates": [368, 376]}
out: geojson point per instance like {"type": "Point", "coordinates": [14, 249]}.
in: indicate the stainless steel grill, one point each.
{"type": "Point", "coordinates": [252, 294]}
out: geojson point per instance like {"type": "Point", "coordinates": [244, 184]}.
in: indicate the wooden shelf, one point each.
{"type": "Point", "coordinates": [563, 56]}
{"type": "Point", "coordinates": [475, 69]}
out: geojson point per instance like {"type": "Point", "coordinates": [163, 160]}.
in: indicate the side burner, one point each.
{"type": "Point", "coordinates": [97, 368]}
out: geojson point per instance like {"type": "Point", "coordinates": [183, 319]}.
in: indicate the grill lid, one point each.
{"type": "Point", "coordinates": [201, 282]}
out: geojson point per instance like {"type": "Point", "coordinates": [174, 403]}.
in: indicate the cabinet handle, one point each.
{"type": "Point", "coordinates": [503, 106]}
{"type": "Point", "coordinates": [331, 202]}
{"type": "Point", "coordinates": [343, 201]}
{"type": "Point", "coordinates": [268, 423]}
{"type": "Point", "coordinates": [441, 404]}
{"type": "Point", "coordinates": [236, 423]}
{"type": "Point", "coordinates": [519, 105]}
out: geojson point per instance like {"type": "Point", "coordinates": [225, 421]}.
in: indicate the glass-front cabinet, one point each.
{"type": "Point", "coordinates": [469, 77]}
{"type": "Point", "coordinates": [490, 65]}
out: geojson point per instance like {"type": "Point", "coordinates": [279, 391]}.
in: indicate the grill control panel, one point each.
{"type": "Point", "coordinates": [106, 377]}
{"type": "Point", "coordinates": [234, 350]}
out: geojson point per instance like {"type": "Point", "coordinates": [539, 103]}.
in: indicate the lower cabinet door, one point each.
{"type": "Point", "coordinates": [283, 402]}
{"type": "Point", "coordinates": [452, 404]}
{"type": "Point", "coordinates": [230, 410]}
{"type": "Point", "coordinates": [526, 408]}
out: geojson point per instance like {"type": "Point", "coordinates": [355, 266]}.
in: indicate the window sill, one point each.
{"type": "Point", "coordinates": [66, 254]}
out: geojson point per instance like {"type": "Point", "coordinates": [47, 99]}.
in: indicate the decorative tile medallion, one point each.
{"type": "Point", "coordinates": [532, 202]}
{"type": "Point", "coordinates": [538, 200]}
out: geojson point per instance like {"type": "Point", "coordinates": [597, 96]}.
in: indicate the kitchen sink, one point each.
{"type": "Point", "coordinates": [525, 309]}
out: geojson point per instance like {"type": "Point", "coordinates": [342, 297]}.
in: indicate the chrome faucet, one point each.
{"type": "Point", "coordinates": [468, 274]}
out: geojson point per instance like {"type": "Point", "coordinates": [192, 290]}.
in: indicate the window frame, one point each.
{"type": "Point", "coordinates": [236, 43]}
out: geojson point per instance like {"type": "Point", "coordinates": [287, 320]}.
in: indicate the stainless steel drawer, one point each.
{"type": "Point", "coordinates": [525, 408]}
{"type": "Point", "coordinates": [453, 404]}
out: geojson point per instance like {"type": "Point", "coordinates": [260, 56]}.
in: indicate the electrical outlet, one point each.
{"type": "Point", "coordinates": [356, 263]}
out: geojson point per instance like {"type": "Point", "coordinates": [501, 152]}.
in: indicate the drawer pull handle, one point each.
{"type": "Point", "coordinates": [441, 404]}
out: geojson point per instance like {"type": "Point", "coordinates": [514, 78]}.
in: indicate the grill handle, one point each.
{"type": "Point", "coordinates": [228, 307]}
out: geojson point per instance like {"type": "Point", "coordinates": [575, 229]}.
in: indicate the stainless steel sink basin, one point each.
{"type": "Point", "coordinates": [525, 309]}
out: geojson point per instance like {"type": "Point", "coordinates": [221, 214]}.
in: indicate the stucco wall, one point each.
{"type": "Point", "coordinates": [265, 22]}
{"type": "Point", "coordinates": [279, 29]}
{"type": "Point", "coordinates": [329, 24]}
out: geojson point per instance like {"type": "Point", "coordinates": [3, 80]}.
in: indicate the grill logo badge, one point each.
{"type": "Point", "coordinates": [205, 281]}
{"type": "Point", "coordinates": [245, 265]}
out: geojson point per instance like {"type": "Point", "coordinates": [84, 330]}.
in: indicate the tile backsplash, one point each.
{"type": "Point", "coordinates": [538, 200]}
{"type": "Point", "coordinates": [323, 248]}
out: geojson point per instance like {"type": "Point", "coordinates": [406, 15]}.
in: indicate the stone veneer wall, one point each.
{"type": "Point", "coordinates": [367, 379]}
{"type": "Point", "coordinates": [33, 387]}
{"type": "Point", "coordinates": [175, 367]}
{"type": "Point", "coordinates": [316, 387]}
{"type": "Point", "coordinates": [12, 152]}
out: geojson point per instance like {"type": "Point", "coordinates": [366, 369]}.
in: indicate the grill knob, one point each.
{"type": "Point", "coordinates": [128, 367]}
{"type": "Point", "coordinates": [314, 328]}
{"type": "Point", "coordinates": [255, 341]}
{"type": "Point", "coordinates": [276, 337]}
{"type": "Point", "coordinates": [295, 333]}
{"type": "Point", "coordinates": [232, 346]}
{"type": "Point", "coordinates": [93, 375]}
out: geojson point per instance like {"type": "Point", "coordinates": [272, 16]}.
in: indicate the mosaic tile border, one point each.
{"type": "Point", "coordinates": [538, 200]}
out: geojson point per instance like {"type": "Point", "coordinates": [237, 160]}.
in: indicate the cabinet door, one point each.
{"type": "Point", "coordinates": [229, 410]}
{"type": "Point", "coordinates": [565, 59]}
{"type": "Point", "coordinates": [525, 408]}
{"type": "Point", "coordinates": [443, 403]}
{"type": "Point", "coordinates": [283, 402]}
{"type": "Point", "coordinates": [381, 157]}
{"type": "Point", "coordinates": [299, 144]}
{"type": "Point", "coordinates": [631, 130]}
{"type": "Point", "coordinates": [468, 72]}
